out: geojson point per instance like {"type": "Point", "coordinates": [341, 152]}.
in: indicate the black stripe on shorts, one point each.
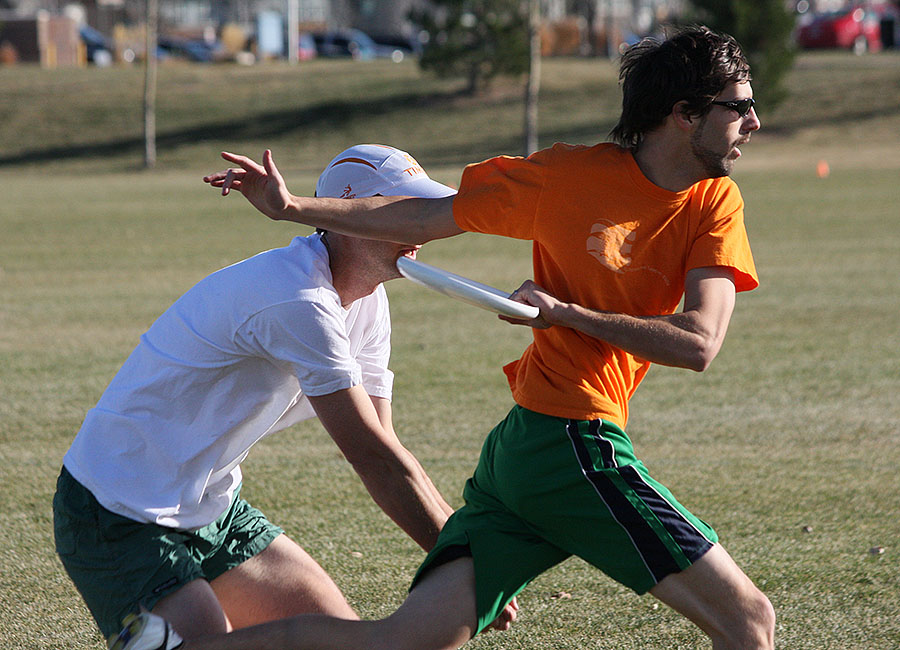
{"type": "Point", "coordinates": [657, 557]}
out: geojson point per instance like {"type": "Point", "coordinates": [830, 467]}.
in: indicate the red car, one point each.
{"type": "Point", "coordinates": [854, 28]}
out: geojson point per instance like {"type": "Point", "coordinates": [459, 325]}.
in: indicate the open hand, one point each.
{"type": "Point", "coordinates": [262, 185]}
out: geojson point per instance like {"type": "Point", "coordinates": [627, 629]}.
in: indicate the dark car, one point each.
{"type": "Point", "coordinates": [408, 46]}
{"type": "Point", "coordinates": [99, 48]}
{"type": "Point", "coordinates": [853, 28]}
{"type": "Point", "coordinates": [196, 50]}
{"type": "Point", "coordinates": [354, 44]}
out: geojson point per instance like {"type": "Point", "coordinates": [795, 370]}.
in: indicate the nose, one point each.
{"type": "Point", "coordinates": [751, 122]}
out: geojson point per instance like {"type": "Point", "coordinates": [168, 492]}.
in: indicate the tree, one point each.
{"type": "Point", "coordinates": [475, 39]}
{"type": "Point", "coordinates": [763, 28]}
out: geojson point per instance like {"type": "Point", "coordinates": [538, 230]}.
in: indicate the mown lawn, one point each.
{"type": "Point", "coordinates": [788, 444]}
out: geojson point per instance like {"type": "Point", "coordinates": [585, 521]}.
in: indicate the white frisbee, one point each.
{"type": "Point", "coordinates": [464, 289]}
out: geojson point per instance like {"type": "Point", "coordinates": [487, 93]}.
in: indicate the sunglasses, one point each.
{"type": "Point", "coordinates": [740, 106]}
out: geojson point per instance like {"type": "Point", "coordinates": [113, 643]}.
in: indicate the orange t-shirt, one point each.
{"type": "Point", "coordinates": [606, 238]}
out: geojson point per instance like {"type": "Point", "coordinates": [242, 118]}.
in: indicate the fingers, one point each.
{"type": "Point", "coordinates": [217, 178]}
{"type": "Point", "coordinates": [227, 183]}
{"type": "Point", "coordinates": [514, 321]}
{"type": "Point", "coordinates": [525, 290]}
{"type": "Point", "coordinates": [248, 170]}
{"type": "Point", "coordinates": [271, 169]}
{"type": "Point", "coordinates": [506, 619]}
{"type": "Point", "coordinates": [247, 163]}
{"type": "Point", "coordinates": [228, 179]}
{"type": "Point", "coordinates": [526, 285]}
{"type": "Point", "coordinates": [539, 323]}
{"type": "Point", "coordinates": [520, 295]}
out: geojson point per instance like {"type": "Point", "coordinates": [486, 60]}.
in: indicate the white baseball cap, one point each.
{"type": "Point", "coordinates": [370, 169]}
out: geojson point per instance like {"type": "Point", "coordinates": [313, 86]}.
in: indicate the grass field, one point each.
{"type": "Point", "coordinates": [789, 444]}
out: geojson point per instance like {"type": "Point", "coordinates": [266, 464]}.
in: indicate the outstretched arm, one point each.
{"type": "Point", "coordinates": [399, 219]}
{"type": "Point", "coordinates": [688, 339]}
{"type": "Point", "coordinates": [360, 425]}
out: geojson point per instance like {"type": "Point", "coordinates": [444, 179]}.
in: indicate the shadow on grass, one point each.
{"type": "Point", "coordinates": [268, 126]}
{"type": "Point", "coordinates": [261, 126]}
{"type": "Point", "coordinates": [335, 115]}
{"type": "Point", "coordinates": [790, 124]}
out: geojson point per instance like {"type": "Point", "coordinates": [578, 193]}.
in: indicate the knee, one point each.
{"type": "Point", "coordinates": [757, 625]}
{"type": "Point", "coordinates": [397, 632]}
{"type": "Point", "coordinates": [764, 620]}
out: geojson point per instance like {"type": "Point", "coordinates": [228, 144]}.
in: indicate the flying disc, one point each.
{"type": "Point", "coordinates": [464, 289]}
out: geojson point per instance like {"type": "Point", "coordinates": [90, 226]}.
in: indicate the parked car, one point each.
{"type": "Point", "coordinates": [355, 44]}
{"type": "Point", "coordinates": [197, 50]}
{"type": "Point", "coordinates": [411, 46]}
{"type": "Point", "coordinates": [99, 48]}
{"type": "Point", "coordinates": [306, 47]}
{"type": "Point", "coordinates": [853, 28]}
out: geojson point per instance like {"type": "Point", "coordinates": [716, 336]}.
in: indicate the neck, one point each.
{"type": "Point", "coordinates": [351, 275]}
{"type": "Point", "coordinates": [665, 164]}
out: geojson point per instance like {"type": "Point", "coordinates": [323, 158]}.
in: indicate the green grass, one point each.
{"type": "Point", "coordinates": [793, 426]}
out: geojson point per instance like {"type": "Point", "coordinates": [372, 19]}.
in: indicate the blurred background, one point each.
{"type": "Point", "coordinates": [104, 32]}
{"type": "Point", "coordinates": [474, 42]}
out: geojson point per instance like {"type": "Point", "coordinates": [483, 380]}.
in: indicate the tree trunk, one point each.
{"type": "Point", "coordinates": [150, 63]}
{"type": "Point", "coordinates": [533, 86]}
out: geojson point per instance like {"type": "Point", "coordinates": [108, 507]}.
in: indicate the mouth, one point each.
{"type": "Point", "coordinates": [410, 252]}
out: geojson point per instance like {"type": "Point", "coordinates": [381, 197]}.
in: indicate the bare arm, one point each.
{"type": "Point", "coordinates": [510, 612]}
{"type": "Point", "coordinates": [688, 339]}
{"type": "Point", "coordinates": [398, 219]}
{"type": "Point", "coordinates": [361, 427]}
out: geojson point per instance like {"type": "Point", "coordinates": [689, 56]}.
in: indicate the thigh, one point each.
{"type": "Point", "coordinates": [281, 581]}
{"type": "Point", "coordinates": [117, 564]}
{"type": "Point", "coordinates": [193, 610]}
{"type": "Point", "coordinates": [714, 593]}
{"type": "Point", "coordinates": [439, 614]}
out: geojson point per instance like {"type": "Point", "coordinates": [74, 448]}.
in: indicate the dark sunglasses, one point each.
{"type": "Point", "coordinates": [741, 106]}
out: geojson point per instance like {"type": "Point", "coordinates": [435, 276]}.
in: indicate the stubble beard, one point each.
{"type": "Point", "coordinates": [714, 163]}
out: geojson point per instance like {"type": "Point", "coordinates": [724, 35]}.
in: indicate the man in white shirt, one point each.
{"type": "Point", "coordinates": [148, 511]}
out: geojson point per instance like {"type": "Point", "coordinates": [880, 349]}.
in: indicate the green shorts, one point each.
{"type": "Point", "coordinates": [546, 488]}
{"type": "Point", "coordinates": [119, 564]}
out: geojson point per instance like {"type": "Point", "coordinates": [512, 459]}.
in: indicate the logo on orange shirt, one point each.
{"type": "Point", "coordinates": [611, 244]}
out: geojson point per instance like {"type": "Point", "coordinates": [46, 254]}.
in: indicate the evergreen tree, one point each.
{"type": "Point", "coordinates": [763, 28]}
{"type": "Point", "coordinates": [475, 39]}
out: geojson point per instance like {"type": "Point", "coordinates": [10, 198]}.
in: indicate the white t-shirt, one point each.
{"type": "Point", "coordinates": [230, 362]}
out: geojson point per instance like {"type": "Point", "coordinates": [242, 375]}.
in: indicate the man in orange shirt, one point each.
{"type": "Point", "coordinates": [621, 232]}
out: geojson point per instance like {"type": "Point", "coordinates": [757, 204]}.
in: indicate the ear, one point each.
{"type": "Point", "coordinates": [683, 119]}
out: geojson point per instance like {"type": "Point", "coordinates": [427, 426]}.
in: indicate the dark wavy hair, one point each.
{"type": "Point", "coordinates": [693, 65]}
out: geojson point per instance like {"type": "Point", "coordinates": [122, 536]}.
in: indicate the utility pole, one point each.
{"type": "Point", "coordinates": [532, 88]}
{"type": "Point", "coordinates": [293, 30]}
{"type": "Point", "coordinates": [612, 45]}
{"type": "Point", "coordinates": [152, 11]}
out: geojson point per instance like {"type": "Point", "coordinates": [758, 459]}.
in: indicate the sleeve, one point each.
{"type": "Point", "coordinates": [721, 237]}
{"type": "Point", "coordinates": [500, 196]}
{"type": "Point", "coordinates": [309, 336]}
{"type": "Point", "coordinates": [375, 354]}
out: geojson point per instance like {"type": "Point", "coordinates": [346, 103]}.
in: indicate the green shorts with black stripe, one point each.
{"type": "Point", "coordinates": [546, 488]}
{"type": "Point", "coordinates": [119, 564]}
